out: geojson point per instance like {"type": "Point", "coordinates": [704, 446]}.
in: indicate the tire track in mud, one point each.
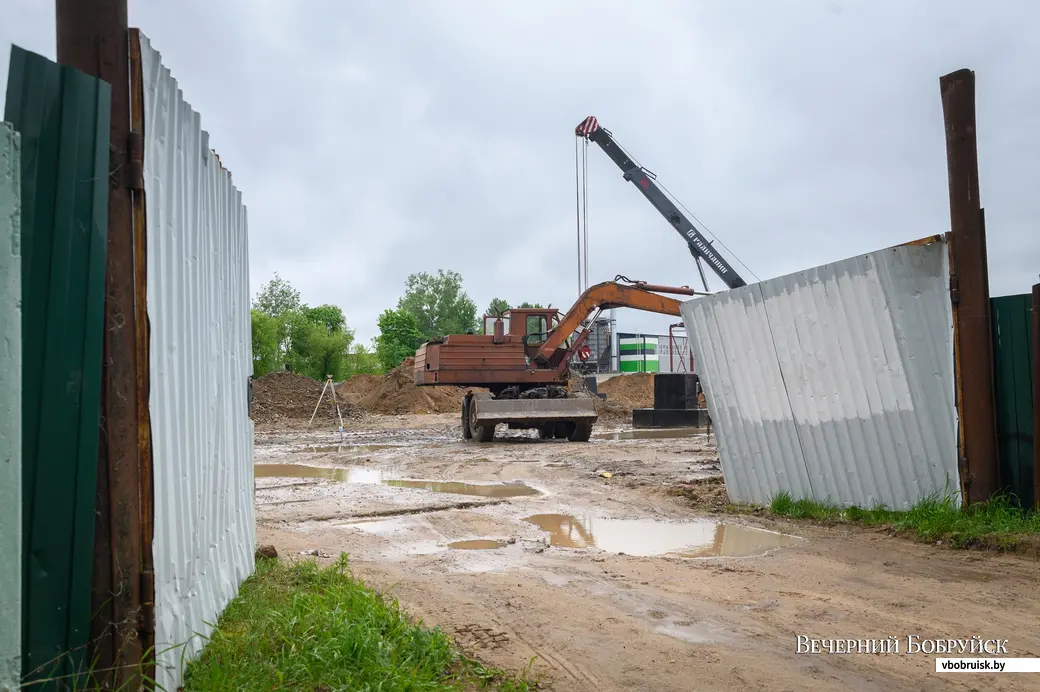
{"type": "Point", "coordinates": [479, 631]}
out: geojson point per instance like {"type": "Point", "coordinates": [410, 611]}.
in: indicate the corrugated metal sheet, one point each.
{"type": "Point", "coordinates": [1013, 384]}
{"type": "Point", "coordinates": [201, 359]}
{"type": "Point", "coordinates": [63, 118]}
{"type": "Point", "coordinates": [835, 383]}
{"type": "Point", "coordinates": [10, 409]}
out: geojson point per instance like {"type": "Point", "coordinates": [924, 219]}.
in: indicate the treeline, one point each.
{"type": "Point", "coordinates": [312, 341]}
{"type": "Point", "coordinates": [316, 341]}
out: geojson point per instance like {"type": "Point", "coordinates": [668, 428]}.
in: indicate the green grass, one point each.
{"type": "Point", "coordinates": [300, 626]}
{"type": "Point", "coordinates": [997, 523]}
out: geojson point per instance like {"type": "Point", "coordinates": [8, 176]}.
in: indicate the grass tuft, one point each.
{"type": "Point", "coordinates": [998, 523]}
{"type": "Point", "coordinates": [302, 626]}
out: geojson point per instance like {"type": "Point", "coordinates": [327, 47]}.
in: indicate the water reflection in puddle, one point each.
{"type": "Point", "coordinates": [354, 474]}
{"type": "Point", "coordinates": [645, 537]}
{"type": "Point", "coordinates": [651, 434]}
{"type": "Point", "coordinates": [350, 474]}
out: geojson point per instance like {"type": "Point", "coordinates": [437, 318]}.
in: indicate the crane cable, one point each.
{"type": "Point", "coordinates": [581, 189]}
{"type": "Point", "coordinates": [577, 209]}
{"type": "Point", "coordinates": [585, 203]}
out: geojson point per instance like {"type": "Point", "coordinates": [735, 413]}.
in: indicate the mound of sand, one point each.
{"type": "Point", "coordinates": [288, 396]}
{"type": "Point", "coordinates": [630, 391]}
{"type": "Point", "coordinates": [396, 394]}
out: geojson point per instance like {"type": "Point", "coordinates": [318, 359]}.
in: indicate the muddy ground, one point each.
{"type": "Point", "coordinates": [588, 560]}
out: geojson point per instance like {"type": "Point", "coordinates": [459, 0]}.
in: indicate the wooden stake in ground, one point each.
{"type": "Point", "coordinates": [331, 387]}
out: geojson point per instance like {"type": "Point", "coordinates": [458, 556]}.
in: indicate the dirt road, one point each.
{"type": "Point", "coordinates": [585, 560]}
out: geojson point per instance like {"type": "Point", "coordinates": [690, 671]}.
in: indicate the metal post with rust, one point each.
{"type": "Point", "coordinates": [1036, 395]}
{"type": "Point", "coordinates": [92, 36]}
{"type": "Point", "coordinates": [973, 345]}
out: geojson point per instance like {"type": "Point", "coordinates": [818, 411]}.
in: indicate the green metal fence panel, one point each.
{"type": "Point", "coordinates": [1013, 372]}
{"type": "Point", "coordinates": [63, 117]}
{"type": "Point", "coordinates": [10, 410]}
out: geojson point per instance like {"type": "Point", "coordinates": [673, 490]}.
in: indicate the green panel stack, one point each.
{"type": "Point", "coordinates": [638, 353]}
{"type": "Point", "coordinates": [63, 117]}
{"type": "Point", "coordinates": [1013, 374]}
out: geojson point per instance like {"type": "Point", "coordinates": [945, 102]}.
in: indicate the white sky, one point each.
{"type": "Point", "coordinates": [372, 140]}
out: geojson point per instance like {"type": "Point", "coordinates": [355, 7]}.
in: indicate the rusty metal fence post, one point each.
{"type": "Point", "coordinates": [969, 287]}
{"type": "Point", "coordinates": [93, 36]}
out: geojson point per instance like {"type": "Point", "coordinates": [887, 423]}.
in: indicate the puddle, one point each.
{"type": "Point", "coordinates": [646, 537]}
{"type": "Point", "coordinates": [651, 434]}
{"type": "Point", "coordinates": [478, 544]}
{"type": "Point", "coordinates": [341, 449]}
{"type": "Point", "coordinates": [332, 473]}
{"type": "Point", "coordinates": [352, 474]}
{"type": "Point", "coordinates": [477, 489]}
{"type": "Point", "coordinates": [685, 632]}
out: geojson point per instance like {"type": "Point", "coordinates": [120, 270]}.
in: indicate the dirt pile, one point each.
{"type": "Point", "coordinates": [287, 396]}
{"type": "Point", "coordinates": [357, 387]}
{"type": "Point", "coordinates": [396, 394]}
{"type": "Point", "coordinates": [630, 391]}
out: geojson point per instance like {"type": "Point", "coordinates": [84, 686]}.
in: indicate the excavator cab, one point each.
{"type": "Point", "coordinates": [532, 325]}
{"type": "Point", "coordinates": [536, 329]}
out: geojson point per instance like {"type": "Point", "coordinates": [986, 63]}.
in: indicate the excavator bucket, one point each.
{"type": "Point", "coordinates": [533, 412]}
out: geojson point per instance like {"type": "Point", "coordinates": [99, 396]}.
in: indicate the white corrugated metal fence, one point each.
{"type": "Point", "coordinates": [201, 359]}
{"type": "Point", "coordinates": [835, 383]}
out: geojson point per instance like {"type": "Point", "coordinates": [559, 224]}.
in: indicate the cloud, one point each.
{"type": "Point", "coordinates": [372, 140]}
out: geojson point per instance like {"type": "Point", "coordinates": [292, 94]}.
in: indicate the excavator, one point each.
{"type": "Point", "coordinates": [523, 360]}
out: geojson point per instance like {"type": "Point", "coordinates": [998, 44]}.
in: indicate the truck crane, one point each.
{"type": "Point", "coordinates": [523, 359]}
{"type": "Point", "coordinates": [699, 246]}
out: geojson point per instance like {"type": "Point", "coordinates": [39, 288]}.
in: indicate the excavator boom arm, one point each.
{"type": "Point", "coordinates": [608, 295]}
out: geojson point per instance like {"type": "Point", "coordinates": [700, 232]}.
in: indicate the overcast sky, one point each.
{"type": "Point", "coordinates": [376, 139]}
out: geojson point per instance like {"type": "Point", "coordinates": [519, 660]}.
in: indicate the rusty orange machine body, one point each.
{"type": "Point", "coordinates": [523, 359]}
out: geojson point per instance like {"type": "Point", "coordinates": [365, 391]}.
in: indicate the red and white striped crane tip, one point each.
{"type": "Point", "coordinates": [587, 127]}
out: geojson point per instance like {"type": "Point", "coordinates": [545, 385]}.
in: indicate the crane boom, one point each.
{"type": "Point", "coordinates": [699, 246]}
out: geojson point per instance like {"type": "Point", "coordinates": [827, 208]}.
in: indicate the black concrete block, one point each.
{"type": "Point", "coordinates": [643, 418]}
{"type": "Point", "coordinates": [669, 418]}
{"type": "Point", "coordinates": [675, 390]}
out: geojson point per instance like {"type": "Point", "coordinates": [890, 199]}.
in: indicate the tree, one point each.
{"type": "Point", "coordinates": [267, 352]}
{"type": "Point", "coordinates": [361, 360]}
{"type": "Point", "coordinates": [288, 334]}
{"type": "Point", "coordinates": [329, 316]}
{"type": "Point", "coordinates": [530, 305]}
{"type": "Point", "coordinates": [319, 341]}
{"type": "Point", "coordinates": [317, 352]}
{"type": "Point", "coordinates": [497, 307]}
{"type": "Point", "coordinates": [438, 304]}
{"type": "Point", "coordinates": [277, 297]}
{"type": "Point", "coordinates": [399, 337]}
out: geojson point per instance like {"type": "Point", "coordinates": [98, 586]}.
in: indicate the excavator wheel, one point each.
{"type": "Point", "coordinates": [581, 432]}
{"type": "Point", "coordinates": [467, 434]}
{"type": "Point", "coordinates": [547, 432]}
{"type": "Point", "coordinates": [480, 433]}
{"type": "Point", "coordinates": [562, 431]}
